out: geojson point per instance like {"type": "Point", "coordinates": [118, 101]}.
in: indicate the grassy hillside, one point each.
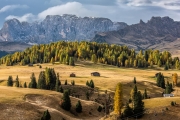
{"type": "Point", "coordinates": [21, 99]}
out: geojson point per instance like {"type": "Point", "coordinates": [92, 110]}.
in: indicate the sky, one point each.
{"type": "Point", "coordinates": [128, 11]}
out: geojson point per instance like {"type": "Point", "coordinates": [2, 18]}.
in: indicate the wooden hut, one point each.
{"type": "Point", "coordinates": [95, 74]}
{"type": "Point", "coordinates": [30, 64]}
{"type": "Point", "coordinates": [72, 75]}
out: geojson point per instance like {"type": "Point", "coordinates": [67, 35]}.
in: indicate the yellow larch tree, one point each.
{"type": "Point", "coordinates": [175, 78]}
{"type": "Point", "coordinates": [118, 99]}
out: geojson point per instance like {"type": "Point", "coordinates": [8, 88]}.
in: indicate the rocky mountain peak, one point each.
{"type": "Point", "coordinates": [160, 20]}
{"type": "Point", "coordinates": [57, 27]}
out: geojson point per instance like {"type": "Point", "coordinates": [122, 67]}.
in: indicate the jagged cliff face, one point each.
{"type": "Point", "coordinates": [54, 28]}
{"type": "Point", "coordinates": [144, 35]}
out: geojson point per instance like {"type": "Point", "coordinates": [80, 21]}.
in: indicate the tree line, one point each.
{"type": "Point", "coordinates": [69, 52]}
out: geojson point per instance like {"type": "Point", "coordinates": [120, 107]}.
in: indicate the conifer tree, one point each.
{"type": "Point", "coordinates": [10, 81]}
{"type": "Point", "coordinates": [33, 83]}
{"type": "Point", "coordinates": [118, 99]}
{"type": "Point", "coordinates": [138, 107]}
{"type": "Point", "coordinates": [65, 83]}
{"type": "Point", "coordinates": [72, 82]}
{"type": "Point", "coordinates": [50, 77]}
{"type": "Point", "coordinates": [91, 84]}
{"type": "Point", "coordinates": [134, 92]}
{"type": "Point", "coordinates": [52, 60]}
{"type": "Point", "coordinates": [160, 80]}
{"type": "Point", "coordinates": [87, 83]}
{"type": "Point", "coordinates": [41, 81]}
{"type": "Point", "coordinates": [166, 67]}
{"type": "Point", "coordinates": [71, 61]}
{"type": "Point", "coordinates": [46, 115]}
{"type": "Point", "coordinates": [87, 95]}
{"type": "Point", "coordinates": [79, 107]}
{"type": "Point", "coordinates": [17, 82]}
{"type": "Point", "coordinates": [66, 101]}
{"type": "Point", "coordinates": [58, 82]}
{"type": "Point", "coordinates": [127, 111]}
{"type": "Point", "coordinates": [61, 89]}
{"type": "Point", "coordinates": [145, 96]}
{"type": "Point", "coordinates": [134, 80]}
{"type": "Point", "coordinates": [25, 85]}
{"type": "Point", "coordinates": [175, 78]}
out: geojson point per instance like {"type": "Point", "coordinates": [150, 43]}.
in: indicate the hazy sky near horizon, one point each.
{"type": "Point", "coordinates": [129, 11]}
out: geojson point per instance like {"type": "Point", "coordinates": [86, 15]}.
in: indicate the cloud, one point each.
{"type": "Point", "coordinates": [74, 8]}
{"type": "Point", "coordinates": [68, 8]}
{"type": "Point", "coordinates": [27, 17]}
{"type": "Point", "coordinates": [166, 4]}
{"type": "Point", "coordinates": [129, 11]}
{"type": "Point", "coordinates": [12, 7]}
{"type": "Point", "coordinates": [53, 2]}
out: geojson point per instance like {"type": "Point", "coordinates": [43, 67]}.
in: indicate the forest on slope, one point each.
{"type": "Point", "coordinates": [69, 52]}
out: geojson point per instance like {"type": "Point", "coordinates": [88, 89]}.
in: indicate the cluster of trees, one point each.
{"type": "Point", "coordinates": [160, 80]}
{"type": "Point", "coordinates": [17, 82]}
{"type": "Point", "coordinates": [47, 80]}
{"type": "Point", "coordinates": [137, 109]}
{"type": "Point", "coordinates": [90, 84]}
{"type": "Point", "coordinates": [69, 52]}
{"type": "Point", "coordinates": [66, 102]}
{"type": "Point", "coordinates": [168, 86]}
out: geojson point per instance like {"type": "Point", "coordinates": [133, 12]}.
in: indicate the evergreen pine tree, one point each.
{"type": "Point", "coordinates": [33, 83]}
{"type": "Point", "coordinates": [10, 81]}
{"type": "Point", "coordinates": [17, 82]}
{"type": "Point", "coordinates": [65, 83]}
{"type": "Point", "coordinates": [58, 82]}
{"type": "Point", "coordinates": [134, 80]}
{"type": "Point", "coordinates": [46, 115]}
{"type": "Point", "coordinates": [162, 82]}
{"type": "Point", "coordinates": [79, 107]}
{"type": "Point", "coordinates": [66, 101]}
{"type": "Point", "coordinates": [166, 67]}
{"type": "Point", "coordinates": [91, 84]}
{"type": "Point", "coordinates": [61, 89]}
{"type": "Point", "coordinates": [171, 87]}
{"type": "Point", "coordinates": [128, 111]}
{"type": "Point", "coordinates": [133, 92]}
{"type": "Point", "coordinates": [118, 99]}
{"type": "Point", "coordinates": [25, 85]}
{"type": "Point", "coordinates": [87, 95]}
{"type": "Point", "coordinates": [71, 61]}
{"type": "Point", "coordinates": [72, 82]}
{"type": "Point", "coordinates": [87, 83]}
{"type": "Point", "coordinates": [41, 81]}
{"type": "Point", "coordinates": [145, 96]}
{"type": "Point", "coordinates": [138, 108]}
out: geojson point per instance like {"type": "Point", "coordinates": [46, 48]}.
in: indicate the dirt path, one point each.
{"type": "Point", "coordinates": [52, 110]}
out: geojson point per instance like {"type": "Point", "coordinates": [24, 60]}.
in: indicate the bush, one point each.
{"type": "Point", "coordinates": [172, 103]}
{"type": "Point", "coordinates": [99, 109]}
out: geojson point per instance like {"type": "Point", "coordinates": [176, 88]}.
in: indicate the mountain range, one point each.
{"type": "Point", "coordinates": [161, 33]}
{"type": "Point", "coordinates": [55, 27]}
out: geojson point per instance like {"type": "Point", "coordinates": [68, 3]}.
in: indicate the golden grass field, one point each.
{"type": "Point", "coordinates": [110, 76]}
